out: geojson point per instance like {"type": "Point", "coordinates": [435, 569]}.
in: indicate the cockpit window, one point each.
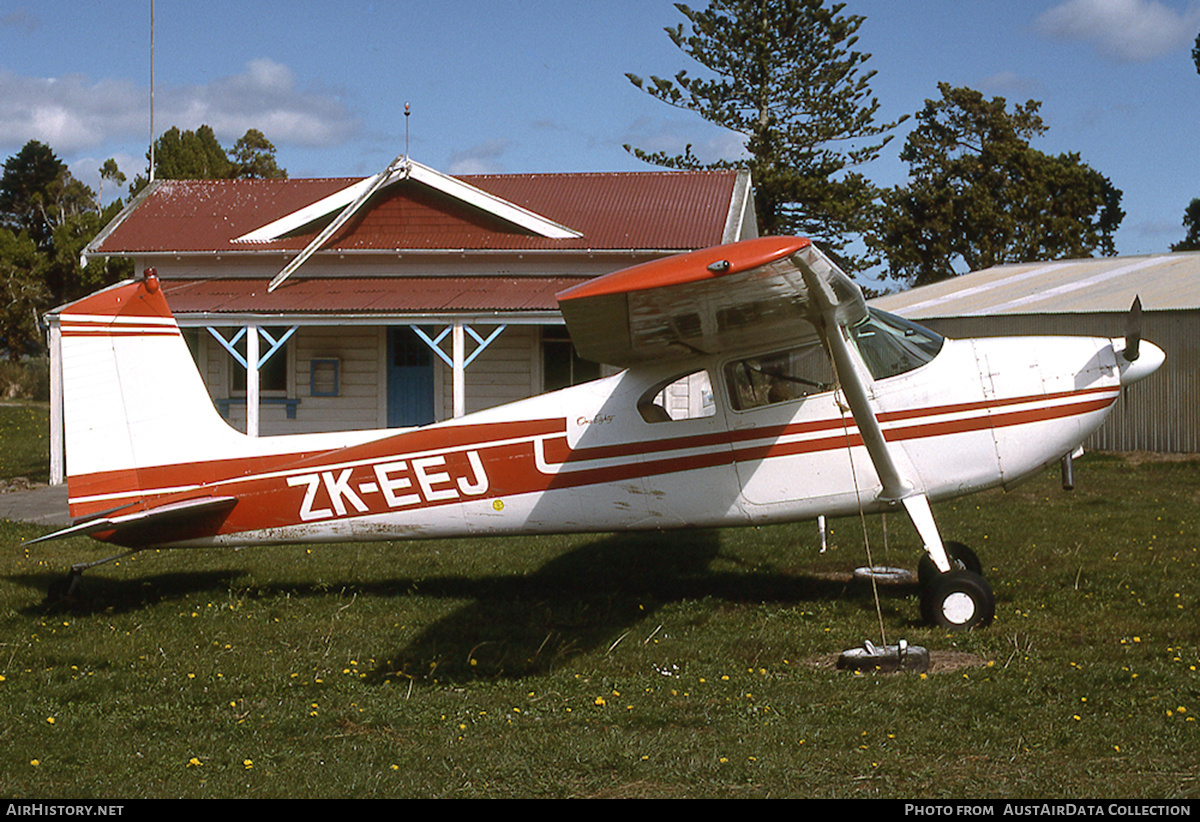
{"type": "Point", "coordinates": [892, 345]}
{"type": "Point", "coordinates": [778, 377]}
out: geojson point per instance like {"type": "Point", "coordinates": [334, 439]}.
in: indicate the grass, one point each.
{"type": "Point", "coordinates": [691, 664]}
{"type": "Point", "coordinates": [25, 441]}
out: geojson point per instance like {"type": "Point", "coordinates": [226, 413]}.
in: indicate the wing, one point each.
{"type": "Point", "coordinates": [766, 290]}
{"type": "Point", "coordinates": [772, 289]}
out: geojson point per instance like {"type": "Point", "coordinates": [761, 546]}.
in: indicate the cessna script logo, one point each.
{"type": "Point", "coordinates": [399, 484]}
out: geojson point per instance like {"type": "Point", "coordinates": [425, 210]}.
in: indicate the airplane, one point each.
{"type": "Point", "coordinates": [757, 387]}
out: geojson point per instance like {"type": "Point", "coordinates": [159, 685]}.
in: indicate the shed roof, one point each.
{"type": "Point", "coordinates": [1165, 282]}
{"type": "Point", "coordinates": [610, 211]}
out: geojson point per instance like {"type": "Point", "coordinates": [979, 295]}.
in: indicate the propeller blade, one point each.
{"type": "Point", "coordinates": [329, 230]}
{"type": "Point", "coordinates": [1133, 331]}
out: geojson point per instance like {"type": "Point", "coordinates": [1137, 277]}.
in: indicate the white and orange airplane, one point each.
{"type": "Point", "coordinates": [758, 388]}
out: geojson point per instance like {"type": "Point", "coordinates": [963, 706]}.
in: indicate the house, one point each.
{"type": "Point", "coordinates": [1089, 297]}
{"type": "Point", "coordinates": [435, 299]}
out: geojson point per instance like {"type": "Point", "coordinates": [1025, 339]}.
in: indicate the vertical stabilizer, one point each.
{"type": "Point", "coordinates": [132, 397]}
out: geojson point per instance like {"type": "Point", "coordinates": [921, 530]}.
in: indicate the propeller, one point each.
{"type": "Point", "coordinates": [1133, 331]}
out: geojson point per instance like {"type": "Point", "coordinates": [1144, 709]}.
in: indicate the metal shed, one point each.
{"type": "Point", "coordinates": [1089, 297]}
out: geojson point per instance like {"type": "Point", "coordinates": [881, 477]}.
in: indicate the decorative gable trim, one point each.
{"type": "Point", "coordinates": [411, 170]}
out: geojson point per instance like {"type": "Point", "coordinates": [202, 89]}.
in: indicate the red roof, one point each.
{"type": "Point", "coordinates": [371, 295]}
{"type": "Point", "coordinates": [670, 210]}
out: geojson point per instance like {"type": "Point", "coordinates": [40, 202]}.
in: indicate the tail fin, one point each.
{"type": "Point", "coordinates": [133, 399]}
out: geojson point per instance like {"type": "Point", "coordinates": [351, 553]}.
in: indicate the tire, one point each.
{"type": "Point", "coordinates": [958, 601]}
{"type": "Point", "coordinates": [962, 558]}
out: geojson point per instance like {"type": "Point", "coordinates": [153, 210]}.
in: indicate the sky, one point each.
{"type": "Point", "coordinates": [540, 86]}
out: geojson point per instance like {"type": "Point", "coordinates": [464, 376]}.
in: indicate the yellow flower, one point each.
{"type": "Point", "coordinates": [194, 763]}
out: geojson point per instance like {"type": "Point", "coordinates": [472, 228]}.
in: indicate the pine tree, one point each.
{"type": "Point", "coordinates": [786, 77]}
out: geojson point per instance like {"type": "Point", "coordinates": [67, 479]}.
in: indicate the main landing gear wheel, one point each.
{"type": "Point", "coordinates": [958, 601]}
{"type": "Point", "coordinates": [962, 558]}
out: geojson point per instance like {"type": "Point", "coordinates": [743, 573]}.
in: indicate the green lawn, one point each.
{"type": "Point", "coordinates": [25, 441]}
{"type": "Point", "coordinates": [691, 664]}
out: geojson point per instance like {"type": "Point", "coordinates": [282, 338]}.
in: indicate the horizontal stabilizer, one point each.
{"type": "Point", "coordinates": [176, 515]}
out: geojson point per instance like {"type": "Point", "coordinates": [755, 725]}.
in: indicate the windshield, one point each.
{"type": "Point", "coordinates": [892, 345]}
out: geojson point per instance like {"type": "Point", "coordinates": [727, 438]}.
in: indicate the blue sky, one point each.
{"type": "Point", "coordinates": [539, 86]}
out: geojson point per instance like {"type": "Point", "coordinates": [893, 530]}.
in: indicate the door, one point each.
{"type": "Point", "coordinates": [410, 379]}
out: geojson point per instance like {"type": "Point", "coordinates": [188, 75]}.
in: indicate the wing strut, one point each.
{"type": "Point", "coordinates": [818, 274]}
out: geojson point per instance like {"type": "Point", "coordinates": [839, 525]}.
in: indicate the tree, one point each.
{"type": "Point", "coordinates": [46, 218]}
{"type": "Point", "coordinates": [191, 155]}
{"type": "Point", "coordinates": [254, 157]}
{"type": "Point", "coordinates": [112, 173]}
{"type": "Point", "coordinates": [23, 295]}
{"type": "Point", "coordinates": [1191, 221]}
{"type": "Point", "coordinates": [980, 195]}
{"type": "Point", "coordinates": [24, 188]}
{"type": "Point", "coordinates": [787, 79]}
{"type": "Point", "coordinates": [197, 155]}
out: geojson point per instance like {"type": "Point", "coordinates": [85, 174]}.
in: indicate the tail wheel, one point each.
{"type": "Point", "coordinates": [958, 601]}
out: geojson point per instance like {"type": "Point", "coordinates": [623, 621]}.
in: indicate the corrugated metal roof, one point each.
{"type": "Point", "coordinates": [1165, 282]}
{"type": "Point", "coordinates": [367, 295]}
{"type": "Point", "coordinates": [640, 210]}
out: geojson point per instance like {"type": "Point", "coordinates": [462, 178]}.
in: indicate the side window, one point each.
{"type": "Point", "coordinates": [687, 397]}
{"type": "Point", "coordinates": [779, 377]}
{"type": "Point", "coordinates": [561, 365]}
{"type": "Point", "coordinates": [273, 374]}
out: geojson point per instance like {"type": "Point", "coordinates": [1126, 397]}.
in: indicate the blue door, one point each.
{"type": "Point", "coordinates": [410, 379]}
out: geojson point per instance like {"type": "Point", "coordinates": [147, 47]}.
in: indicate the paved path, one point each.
{"type": "Point", "coordinates": [42, 505]}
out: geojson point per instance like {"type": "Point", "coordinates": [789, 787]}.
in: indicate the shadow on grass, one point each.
{"type": "Point", "coordinates": [521, 624]}
{"type": "Point", "coordinates": [586, 600]}
{"type": "Point", "coordinates": [103, 594]}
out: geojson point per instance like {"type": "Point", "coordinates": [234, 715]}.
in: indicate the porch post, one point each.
{"type": "Point", "coordinates": [56, 404]}
{"type": "Point", "coordinates": [252, 379]}
{"type": "Point", "coordinates": [460, 382]}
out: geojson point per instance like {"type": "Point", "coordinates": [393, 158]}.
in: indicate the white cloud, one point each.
{"type": "Point", "coordinates": [68, 113]}
{"type": "Point", "coordinates": [709, 144]}
{"type": "Point", "coordinates": [479, 159]}
{"type": "Point", "coordinates": [73, 113]}
{"type": "Point", "coordinates": [1008, 83]}
{"type": "Point", "coordinates": [266, 97]}
{"type": "Point", "coordinates": [1123, 30]}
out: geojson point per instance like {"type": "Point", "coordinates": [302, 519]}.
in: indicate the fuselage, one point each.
{"type": "Point", "coordinates": [610, 455]}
